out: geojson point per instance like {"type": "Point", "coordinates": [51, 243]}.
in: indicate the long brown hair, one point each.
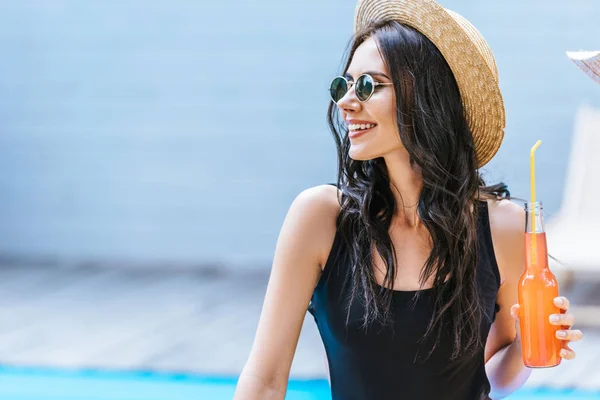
{"type": "Point", "coordinates": [434, 131]}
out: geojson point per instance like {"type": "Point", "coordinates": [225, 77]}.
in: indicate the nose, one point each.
{"type": "Point", "coordinates": [349, 103]}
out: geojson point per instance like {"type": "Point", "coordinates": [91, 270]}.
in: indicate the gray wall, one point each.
{"type": "Point", "coordinates": [151, 132]}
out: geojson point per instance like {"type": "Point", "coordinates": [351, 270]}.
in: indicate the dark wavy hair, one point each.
{"type": "Point", "coordinates": [434, 131]}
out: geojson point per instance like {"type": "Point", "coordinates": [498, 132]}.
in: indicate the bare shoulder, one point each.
{"type": "Point", "coordinates": [507, 223]}
{"type": "Point", "coordinates": [507, 214]}
{"type": "Point", "coordinates": [321, 198]}
{"type": "Point", "coordinates": [315, 211]}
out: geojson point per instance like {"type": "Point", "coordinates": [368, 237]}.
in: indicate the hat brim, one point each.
{"type": "Point", "coordinates": [478, 84]}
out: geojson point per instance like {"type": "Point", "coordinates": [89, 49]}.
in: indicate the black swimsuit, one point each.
{"type": "Point", "coordinates": [386, 364]}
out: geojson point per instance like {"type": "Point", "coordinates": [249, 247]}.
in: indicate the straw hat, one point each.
{"type": "Point", "coordinates": [467, 54]}
{"type": "Point", "coordinates": [588, 61]}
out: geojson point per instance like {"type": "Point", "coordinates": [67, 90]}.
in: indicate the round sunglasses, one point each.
{"type": "Point", "coordinates": [364, 87]}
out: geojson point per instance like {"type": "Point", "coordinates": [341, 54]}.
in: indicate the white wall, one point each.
{"type": "Point", "coordinates": [178, 132]}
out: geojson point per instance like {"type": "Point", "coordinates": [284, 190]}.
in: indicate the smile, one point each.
{"type": "Point", "coordinates": [357, 127]}
{"type": "Point", "coordinates": [356, 130]}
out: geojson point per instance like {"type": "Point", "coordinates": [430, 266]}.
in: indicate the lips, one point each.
{"type": "Point", "coordinates": [357, 128]}
{"type": "Point", "coordinates": [355, 134]}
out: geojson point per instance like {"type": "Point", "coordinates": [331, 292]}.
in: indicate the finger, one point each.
{"type": "Point", "coordinates": [562, 319]}
{"type": "Point", "coordinates": [514, 311]}
{"type": "Point", "coordinates": [571, 335]}
{"type": "Point", "coordinates": [567, 353]}
{"type": "Point", "coordinates": [562, 302]}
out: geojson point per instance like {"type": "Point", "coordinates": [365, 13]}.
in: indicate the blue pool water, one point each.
{"type": "Point", "coordinates": [54, 384]}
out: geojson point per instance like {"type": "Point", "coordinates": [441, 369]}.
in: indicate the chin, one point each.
{"type": "Point", "coordinates": [361, 156]}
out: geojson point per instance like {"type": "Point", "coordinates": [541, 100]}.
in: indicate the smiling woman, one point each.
{"type": "Point", "coordinates": [410, 262]}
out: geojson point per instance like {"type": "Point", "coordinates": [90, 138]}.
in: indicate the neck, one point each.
{"type": "Point", "coordinates": [406, 184]}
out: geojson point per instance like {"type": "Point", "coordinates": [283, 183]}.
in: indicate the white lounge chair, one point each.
{"type": "Point", "coordinates": [574, 233]}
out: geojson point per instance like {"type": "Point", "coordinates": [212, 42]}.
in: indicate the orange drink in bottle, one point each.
{"type": "Point", "coordinates": [537, 289]}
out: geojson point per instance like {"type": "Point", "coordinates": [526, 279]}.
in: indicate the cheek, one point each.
{"type": "Point", "coordinates": [391, 111]}
{"type": "Point", "coordinates": [387, 137]}
{"type": "Point", "coordinates": [387, 120]}
{"type": "Point", "coordinates": [384, 111]}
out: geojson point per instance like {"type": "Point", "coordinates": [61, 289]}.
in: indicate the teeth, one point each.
{"type": "Point", "coordinates": [357, 127]}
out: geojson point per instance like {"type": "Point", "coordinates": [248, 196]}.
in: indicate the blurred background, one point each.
{"type": "Point", "coordinates": [149, 151]}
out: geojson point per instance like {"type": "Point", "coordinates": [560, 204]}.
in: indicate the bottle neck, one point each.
{"type": "Point", "coordinates": [536, 249]}
{"type": "Point", "coordinates": [534, 217]}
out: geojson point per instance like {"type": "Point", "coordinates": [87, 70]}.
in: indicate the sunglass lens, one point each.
{"type": "Point", "coordinates": [338, 88]}
{"type": "Point", "coordinates": [364, 87]}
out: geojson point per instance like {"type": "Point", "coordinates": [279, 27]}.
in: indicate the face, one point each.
{"type": "Point", "coordinates": [379, 111]}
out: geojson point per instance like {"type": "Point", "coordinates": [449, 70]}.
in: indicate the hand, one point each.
{"type": "Point", "coordinates": [566, 334]}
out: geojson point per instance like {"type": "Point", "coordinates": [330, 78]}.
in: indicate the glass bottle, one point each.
{"type": "Point", "coordinates": [537, 289]}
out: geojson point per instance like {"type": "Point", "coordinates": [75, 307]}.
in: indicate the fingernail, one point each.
{"type": "Point", "coordinates": [554, 318]}
{"type": "Point", "coordinates": [563, 353]}
{"type": "Point", "coordinates": [561, 334]}
{"type": "Point", "coordinates": [558, 302]}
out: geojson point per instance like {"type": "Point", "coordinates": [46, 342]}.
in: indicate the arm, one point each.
{"type": "Point", "coordinates": [504, 363]}
{"type": "Point", "coordinates": [304, 239]}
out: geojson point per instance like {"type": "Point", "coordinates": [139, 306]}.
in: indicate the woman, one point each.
{"type": "Point", "coordinates": [410, 266]}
